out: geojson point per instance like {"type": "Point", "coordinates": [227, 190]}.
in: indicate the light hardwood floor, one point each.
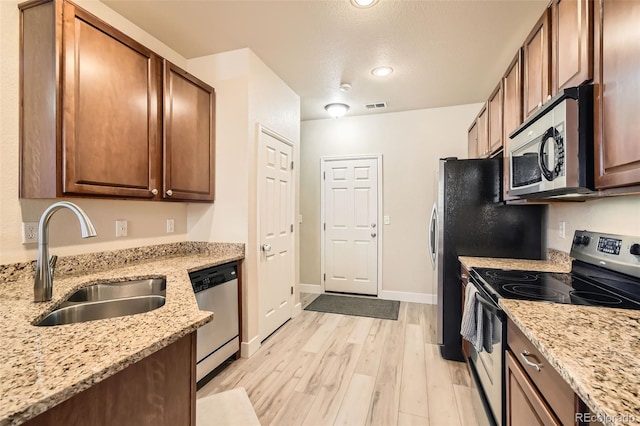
{"type": "Point", "coordinates": [328, 369]}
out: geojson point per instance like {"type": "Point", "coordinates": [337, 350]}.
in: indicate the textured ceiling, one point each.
{"type": "Point", "coordinates": [446, 52]}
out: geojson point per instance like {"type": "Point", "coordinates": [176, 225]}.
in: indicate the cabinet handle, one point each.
{"type": "Point", "coordinates": [154, 191]}
{"type": "Point", "coordinates": [464, 276]}
{"type": "Point", "coordinates": [169, 192]}
{"type": "Point", "coordinates": [524, 355]}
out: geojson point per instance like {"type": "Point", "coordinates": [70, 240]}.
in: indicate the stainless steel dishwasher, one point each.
{"type": "Point", "coordinates": [216, 290]}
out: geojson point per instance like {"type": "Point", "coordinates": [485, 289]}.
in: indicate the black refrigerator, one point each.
{"type": "Point", "coordinates": [469, 219]}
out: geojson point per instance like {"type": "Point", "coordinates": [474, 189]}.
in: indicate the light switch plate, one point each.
{"type": "Point", "coordinates": [562, 229]}
{"type": "Point", "coordinates": [121, 228]}
{"type": "Point", "coordinates": [170, 226]}
{"type": "Point", "coordinates": [387, 221]}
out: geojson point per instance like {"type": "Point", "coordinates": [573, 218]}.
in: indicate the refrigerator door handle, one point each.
{"type": "Point", "coordinates": [433, 236]}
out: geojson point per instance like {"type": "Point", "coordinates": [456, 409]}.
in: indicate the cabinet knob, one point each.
{"type": "Point", "coordinates": [154, 191]}
{"type": "Point", "coordinates": [169, 192]}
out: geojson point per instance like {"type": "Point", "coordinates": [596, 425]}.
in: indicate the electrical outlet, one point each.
{"type": "Point", "coordinates": [29, 232]}
{"type": "Point", "coordinates": [170, 226]}
{"type": "Point", "coordinates": [121, 228]}
{"type": "Point", "coordinates": [387, 221]}
{"type": "Point", "coordinates": [561, 229]}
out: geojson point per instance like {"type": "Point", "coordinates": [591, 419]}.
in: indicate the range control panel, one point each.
{"type": "Point", "coordinates": [619, 253]}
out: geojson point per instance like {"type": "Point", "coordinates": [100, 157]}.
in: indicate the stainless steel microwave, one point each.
{"type": "Point", "coordinates": [551, 153]}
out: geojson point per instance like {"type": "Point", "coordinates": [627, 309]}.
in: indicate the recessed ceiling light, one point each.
{"type": "Point", "coordinates": [337, 110]}
{"type": "Point", "coordinates": [381, 71]}
{"type": "Point", "coordinates": [363, 3]}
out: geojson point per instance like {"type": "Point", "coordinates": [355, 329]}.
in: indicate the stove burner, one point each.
{"type": "Point", "coordinates": [534, 291]}
{"type": "Point", "coordinates": [511, 275]}
{"type": "Point", "coordinates": [599, 298]}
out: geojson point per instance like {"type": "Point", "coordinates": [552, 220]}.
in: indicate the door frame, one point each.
{"type": "Point", "coordinates": [262, 131]}
{"type": "Point", "coordinates": [323, 163]}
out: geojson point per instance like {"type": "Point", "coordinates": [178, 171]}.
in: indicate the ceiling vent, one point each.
{"type": "Point", "coordinates": [377, 105]}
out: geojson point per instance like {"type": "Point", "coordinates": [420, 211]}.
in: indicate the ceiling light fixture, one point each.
{"type": "Point", "coordinates": [381, 71]}
{"type": "Point", "coordinates": [337, 110]}
{"type": "Point", "coordinates": [363, 3]}
{"type": "Point", "coordinates": [345, 87]}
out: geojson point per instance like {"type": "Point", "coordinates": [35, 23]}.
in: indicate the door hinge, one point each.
{"type": "Point", "coordinates": [324, 175]}
{"type": "Point", "coordinates": [292, 227]}
{"type": "Point", "coordinates": [324, 277]}
{"type": "Point", "coordinates": [292, 165]}
{"type": "Point", "coordinates": [291, 289]}
{"type": "Point", "coordinates": [325, 226]}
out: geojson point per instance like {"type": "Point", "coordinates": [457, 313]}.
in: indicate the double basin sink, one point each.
{"type": "Point", "coordinates": [109, 300]}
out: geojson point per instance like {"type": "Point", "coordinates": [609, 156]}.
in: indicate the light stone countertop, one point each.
{"type": "Point", "coordinates": [43, 366]}
{"type": "Point", "coordinates": [596, 350]}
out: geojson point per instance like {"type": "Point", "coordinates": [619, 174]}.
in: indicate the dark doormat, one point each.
{"type": "Point", "coordinates": [357, 306]}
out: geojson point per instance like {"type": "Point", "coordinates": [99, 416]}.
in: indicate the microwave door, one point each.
{"type": "Point", "coordinates": [526, 175]}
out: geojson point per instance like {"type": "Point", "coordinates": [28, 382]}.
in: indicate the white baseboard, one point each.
{"type": "Point", "coordinates": [403, 296]}
{"type": "Point", "coordinates": [297, 310]}
{"type": "Point", "coordinates": [310, 288]}
{"type": "Point", "coordinates": [247, 349]}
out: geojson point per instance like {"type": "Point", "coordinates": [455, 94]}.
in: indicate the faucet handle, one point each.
{"type": "Point", "coordinates": [52, 263]}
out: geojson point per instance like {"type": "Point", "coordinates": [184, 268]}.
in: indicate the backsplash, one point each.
{"type": "Point", "coordinates": [93, 262]}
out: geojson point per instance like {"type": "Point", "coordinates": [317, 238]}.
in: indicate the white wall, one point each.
{"type": "Point", "coordinates": [147, 220]}
{"type": "Point", "coordinates": [248, 93]}
{"type": "Point", "coordinates": [411, 143]}
{"type": "Point", "coordinates": [615, 215]}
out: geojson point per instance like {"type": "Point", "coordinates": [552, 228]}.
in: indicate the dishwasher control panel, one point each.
{"type": "Point", "coordinates": [211, 277]}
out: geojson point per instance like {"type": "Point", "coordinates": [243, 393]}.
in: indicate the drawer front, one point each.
{"type": "Point", "coordinates": [549, 383]}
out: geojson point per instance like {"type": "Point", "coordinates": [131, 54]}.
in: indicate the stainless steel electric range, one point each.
{"type": "Point", "coordinates": [605, 273]}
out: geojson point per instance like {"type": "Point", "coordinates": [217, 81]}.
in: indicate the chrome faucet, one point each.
{"type": "Point", "coordinates": [43, 287]}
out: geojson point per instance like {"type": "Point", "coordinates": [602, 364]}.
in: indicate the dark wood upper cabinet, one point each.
{"type": "Point", "coordinates": [472, 140]}
{"type": "Point", "coordinates": [495, 107]}
{"type": "Point", "coordinates": [511, 111]}
{"type": "Point", "coordinates": [91, 119]}
{"type": "Point", "coordinates": [189, 134]}
{"type": "Point", "coordinates": [571, 43]}
{"type": "Point", "coordinates": [536, 60]}
{"type": "Point", "coordinates": [617, 93]}
{"type": "Point", "coordinates": [483, 132]}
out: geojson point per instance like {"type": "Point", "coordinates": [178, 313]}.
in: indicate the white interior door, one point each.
{"type": "Point", "coordinates": [277, 260]}
{"type": "Point", "coordinates": [351, 225]}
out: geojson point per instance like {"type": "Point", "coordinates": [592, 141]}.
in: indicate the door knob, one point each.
{"type": "Point", "coordinates": [266, 247]}
{"type": "Point", "coordinates": [373, 234]}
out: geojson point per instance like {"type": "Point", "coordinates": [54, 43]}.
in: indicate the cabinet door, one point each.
{"type": "Point", "coordinates": [536, 63]}
{"type": "Point", "coordinates": [189, 113]}
{"type": "Point", "coordinates": [571, 43]}
{"type": "Point", "coordinates": [111, 105]}
{"type": "Point", "coordinates": [617, 93]}
{"type": "Point", "coordinates": [495, 119]}
{"type": "Point", "coordinates": [472, 141]}
{"type": "Point", "coordinates": [525, 406]}
{"type": "Point", "coordinates": [483, 133]}
{"type": "Point", "coordinates": [511, 112]}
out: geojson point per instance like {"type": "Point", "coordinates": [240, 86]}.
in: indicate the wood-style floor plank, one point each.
{"type": "Point", "coordinates": [323, 369]}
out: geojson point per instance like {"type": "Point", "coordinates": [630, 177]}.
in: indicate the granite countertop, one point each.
{"type": "Point", "coordinates": [594, 349]}
{"type": "Point", "coordinates": [43, 366]}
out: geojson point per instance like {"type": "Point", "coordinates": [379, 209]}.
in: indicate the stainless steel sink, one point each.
{"type": "Point", "coordinates": [89, 311]}
{"type": "Point", "coordinates": [119, 290]}
{"type": "Point", "coordinates": [109, 300]}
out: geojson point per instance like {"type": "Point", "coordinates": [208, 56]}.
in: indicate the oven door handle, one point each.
{"type": "Point", "coordinates": [489, 306]}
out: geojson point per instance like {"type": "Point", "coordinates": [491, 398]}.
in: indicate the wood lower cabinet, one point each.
{"type": "Point", "coordinates": [571, 43]}
{"type": "Point", "coordinates": [189, 135]}
{"type": "Point", "coordinates": [159, 390]}
{"type": "Point", "coordinates": [617, 93]}
{"type": "Point", "coordinates": [91, 117]}
{"type": "Point", "coordinates": [536, 55]}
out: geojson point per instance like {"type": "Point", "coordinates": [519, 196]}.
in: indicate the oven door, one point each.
{"type": "Point", "coordinates": [487, 367]}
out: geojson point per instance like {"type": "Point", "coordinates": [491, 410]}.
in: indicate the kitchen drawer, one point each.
{"type": "Point", "coordinates": [549, 383]}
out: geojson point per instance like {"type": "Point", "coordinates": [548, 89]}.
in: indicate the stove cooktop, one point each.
{"type": "Point", "coordinates": [570, 288]}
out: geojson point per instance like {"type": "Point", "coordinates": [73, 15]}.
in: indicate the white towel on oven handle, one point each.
{"type": "Point", "coordinates": [472, 319]}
